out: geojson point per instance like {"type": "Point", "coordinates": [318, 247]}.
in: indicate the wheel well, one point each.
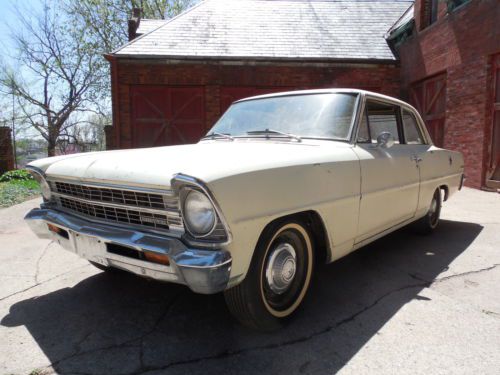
{"type": "Point", "coordinates": [315, 225]}
{"type": "Point", "coordinates": [445, 190]}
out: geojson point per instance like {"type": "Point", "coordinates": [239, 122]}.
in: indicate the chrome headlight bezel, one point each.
{"type": "Point", "coordinates": [189, 195]}
{"type": "Point", "coordinates": [183, 184]}
{"type": "Point", "coordinates": [39, 177]}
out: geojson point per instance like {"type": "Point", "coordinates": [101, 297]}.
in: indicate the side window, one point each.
{"type": "Point", "coordinates": [380, 117]}
{"type": "Point", "coordinates": [364, 133]}
{"type": "Point", "coordinates": [413, 136]}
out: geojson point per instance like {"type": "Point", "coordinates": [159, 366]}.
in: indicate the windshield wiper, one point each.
{"type": "Point", "coordinates": [271, 131]}
{"type": "Point", "coordinates": [215, 134]}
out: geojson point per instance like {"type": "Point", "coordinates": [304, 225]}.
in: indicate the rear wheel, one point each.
{"type": "Point", "coordinates": [430, 221]}
{"type": "Point", "coordinates": [278, 277]}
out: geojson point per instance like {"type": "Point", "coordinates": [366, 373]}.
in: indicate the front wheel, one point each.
{"type": "Point", "coordinates": [278, 277]}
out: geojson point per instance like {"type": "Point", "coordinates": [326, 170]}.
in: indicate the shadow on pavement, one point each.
{"type": "Point", "coordinates": [124, 324]}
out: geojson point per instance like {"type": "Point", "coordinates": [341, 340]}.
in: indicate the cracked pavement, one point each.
{"type": "Point", "coordinates": [404, 304]}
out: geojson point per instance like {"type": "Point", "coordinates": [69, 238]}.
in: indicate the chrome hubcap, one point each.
{"type": "Point", "coordinates": [281, 268]}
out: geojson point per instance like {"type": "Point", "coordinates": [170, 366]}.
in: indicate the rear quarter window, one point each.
{"type": "Point", "coordinates": [412, 133]}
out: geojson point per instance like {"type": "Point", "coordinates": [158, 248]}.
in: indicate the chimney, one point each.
{"type": "Point", "coordinates": [133, 23]}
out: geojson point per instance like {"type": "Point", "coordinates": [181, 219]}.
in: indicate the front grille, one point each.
{"type": "Point", "coordinates": [121, 215]}
{"type": "Point", "coordinates": [154, 209]}
{"type": "Point", "coordinates": [117, 196]}
{"type": "Point", "coordinates": [147, 209]}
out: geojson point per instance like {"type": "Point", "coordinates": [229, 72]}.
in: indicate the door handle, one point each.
{"type": "Point", "coordinates": [416, 158]}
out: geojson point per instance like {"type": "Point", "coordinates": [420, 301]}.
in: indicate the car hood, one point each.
{"type": "Point", "coordinates": [207, 161]}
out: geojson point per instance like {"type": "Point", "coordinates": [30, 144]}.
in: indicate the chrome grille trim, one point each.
{"type": "Point", "coordinates": [152, 209]}
{"type": "Point", "coordinates": [128, 197]}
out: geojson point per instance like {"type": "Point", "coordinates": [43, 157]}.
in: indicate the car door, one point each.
{"type": "Point", "coordinates": [431, 160]}
{"type": "Point", "coordinates": [389, 175]}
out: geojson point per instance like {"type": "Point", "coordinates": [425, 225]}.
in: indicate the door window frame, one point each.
{"type": "Point", "coordinates": [417, 124]}
{"type": "Point", "coordinates": [364, 113]}
{"type": "Point", "coordinates": [399, 116]}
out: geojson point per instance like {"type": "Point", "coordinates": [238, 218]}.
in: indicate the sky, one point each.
{"type": "Point", "coordinates": [8, 22]}
{"type": "Point", "coordinates": [8, 19]}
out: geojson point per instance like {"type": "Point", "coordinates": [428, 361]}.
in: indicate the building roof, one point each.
{"type": "Point", "coordinates": [401, 23]}
{"type": "Point", "coordinates": [274, 30]}
{"type": "Point", "coordinates": [147, 25]}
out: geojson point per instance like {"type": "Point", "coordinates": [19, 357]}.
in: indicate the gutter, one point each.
{"type": "Point", "coordinates": [250, 60]}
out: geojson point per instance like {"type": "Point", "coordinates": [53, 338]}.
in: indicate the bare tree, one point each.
{"type": "Point", "coordinates": [105, 22]}
{"type": "Point", "coordinates": [55, 75]}
{"type": "Point", "coordinates": [86, 135]}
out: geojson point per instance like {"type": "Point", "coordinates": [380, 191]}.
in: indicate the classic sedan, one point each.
{"type": "Point", "coordinates": [280, 183]}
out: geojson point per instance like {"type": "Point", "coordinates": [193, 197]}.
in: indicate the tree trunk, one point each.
{"type": "Point", "coordinates": [51, 149]}
{"type": "Point", "coordinates": [52, 141]}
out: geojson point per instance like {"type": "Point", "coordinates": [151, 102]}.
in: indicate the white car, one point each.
{"type": "Point", "coordinates": [281, 182]}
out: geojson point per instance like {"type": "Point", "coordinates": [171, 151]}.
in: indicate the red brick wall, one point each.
{"type": "Point", "coordinates": [422, 12]}
{"type": "Point", "coordinates": [382, 78]}
{"type": "Point", "coordinates": [6, 154]}
{"type": "Point", "coordinates": [461, 44]}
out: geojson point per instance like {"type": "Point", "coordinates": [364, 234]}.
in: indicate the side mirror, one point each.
{"type": "Point", "coordinates": [385, 140]}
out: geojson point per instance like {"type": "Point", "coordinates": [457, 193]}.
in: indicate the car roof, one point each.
{"type": "Point", "coordinates": [329, 91]}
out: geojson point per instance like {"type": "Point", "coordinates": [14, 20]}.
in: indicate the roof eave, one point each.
{"type": "Point", "coordinates": [251, 59]}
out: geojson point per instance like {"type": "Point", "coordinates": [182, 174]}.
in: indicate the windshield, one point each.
{"type": "Point", "coordinates": [326, 115]}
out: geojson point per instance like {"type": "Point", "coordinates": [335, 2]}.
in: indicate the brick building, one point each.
{"type": "Point", "coordinates": [174, 79]}
{"type": "Point", "coordinates": [450, 69]}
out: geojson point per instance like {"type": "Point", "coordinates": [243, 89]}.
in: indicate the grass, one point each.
{"type": "Point", "coordinates": [17, 191]}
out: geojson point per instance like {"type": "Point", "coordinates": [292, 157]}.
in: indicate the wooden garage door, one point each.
{"type": "Point", "coordinates": [229, 94]}
{"type": "Point", "coordinates": [429, 97]}
{"type": "Point", "coordinates": [164, 115]}
{"type": "Point", "coordinates": [493, 173]}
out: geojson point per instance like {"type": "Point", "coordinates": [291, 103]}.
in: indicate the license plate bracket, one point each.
{"type": "Point", "coordinates": [91, 248]}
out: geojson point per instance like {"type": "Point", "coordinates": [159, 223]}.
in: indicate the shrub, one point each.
{"type": "Point", "coordinates": [18, 174]}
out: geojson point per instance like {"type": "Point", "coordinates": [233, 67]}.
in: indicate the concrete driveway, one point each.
{"type": "Point", "coordinates": [405, 304]}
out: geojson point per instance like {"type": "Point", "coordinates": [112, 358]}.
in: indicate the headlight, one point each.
{"type": "Point", "coordinates": [44, 186]}
{"type": "Point", "coordinates": [199, 213]}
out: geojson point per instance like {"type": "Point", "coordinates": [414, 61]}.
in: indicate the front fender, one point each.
{"type": "Point", "coordinates": [251, 201]}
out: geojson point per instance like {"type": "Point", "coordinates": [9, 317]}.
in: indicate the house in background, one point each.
{"type": "Point", "coordinates": [175, 78]}
{"type": "Point", "coordinates": [449, 54]}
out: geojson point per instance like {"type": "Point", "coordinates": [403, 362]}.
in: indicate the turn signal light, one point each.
{"type": "Point", "coordinates": [58, 230]}
{"type": "Point", "coordinates": [157, 258]}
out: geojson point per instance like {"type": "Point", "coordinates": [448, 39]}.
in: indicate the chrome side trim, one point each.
{"type": "Point", "coordinates": [181, 180]}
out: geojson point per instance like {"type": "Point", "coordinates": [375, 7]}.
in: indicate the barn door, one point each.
{"type": "Point", "coordinates": [493, 173]}
{"type": "Point", "coordinates": [163, 115]}
{"type": "Point", "coordinates": [429, 97]}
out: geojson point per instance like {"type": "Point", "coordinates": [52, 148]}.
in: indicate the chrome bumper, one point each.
{"type": "Point", "coordinates": [203, 271]}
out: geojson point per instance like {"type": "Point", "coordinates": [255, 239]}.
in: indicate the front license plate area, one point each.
{"type": "Point", "coordinates": [91, 248]}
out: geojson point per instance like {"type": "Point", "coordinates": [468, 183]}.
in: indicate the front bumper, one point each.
{"type": "Point", "coordinates": [203, 271]}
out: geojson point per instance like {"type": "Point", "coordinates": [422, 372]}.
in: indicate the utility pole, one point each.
{"type": "Point", "coordinates": [14, 130]}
